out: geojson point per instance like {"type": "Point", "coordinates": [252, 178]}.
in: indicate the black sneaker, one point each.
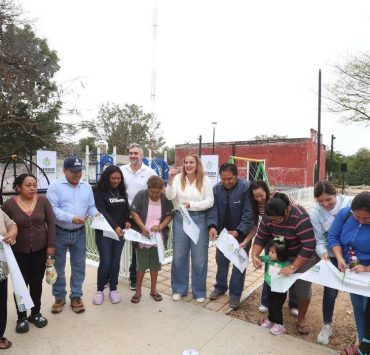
{"type": "Point", "coordinates": [234, 302]}
{"type": "Point", "coordinates": [133, 285]}
{"type": "Point", "coordinates": [22, 326]}
{"type": "Point", "coordinates": [38, 320]}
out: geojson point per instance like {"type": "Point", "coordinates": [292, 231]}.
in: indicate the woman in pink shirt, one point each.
{"type": "Point", "coordinates": [151, 212]}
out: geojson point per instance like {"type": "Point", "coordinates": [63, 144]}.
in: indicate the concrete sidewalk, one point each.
{"type": "Point", "coordinates": [253, 280]}
{"type": "Point", "coordinates": [149, 327]}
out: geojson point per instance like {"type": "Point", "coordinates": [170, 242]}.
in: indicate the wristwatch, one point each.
{"type": "Point", "coordinates": [50, 257]}
{"type": "Point", "coordinates": [293, 267]}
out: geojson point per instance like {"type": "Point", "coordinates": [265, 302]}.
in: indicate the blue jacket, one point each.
{"type": "Point", "coordinates": [348, 234]}
{"type": "Point", "coordinates": [242, 219]}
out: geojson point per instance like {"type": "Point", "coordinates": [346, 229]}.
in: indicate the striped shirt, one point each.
{"type": "Point", "coordinates": [296, 230]}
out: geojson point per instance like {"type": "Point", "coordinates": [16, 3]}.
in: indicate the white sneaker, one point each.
{"type": "Point", "coordinates": [262, 308]}
{"type": "Point", "coordinates": [267, 324]}
{"type": "Point", "coordinates": [278, 329]}
{"type": "Point", "coordinates": [325, 334]}
{"type": "Point", "coordinates": [200, 299]}
{"type": "Point", "coordinates": [294, 312]}
{"type": "Point", "coordinates": [176, 297]}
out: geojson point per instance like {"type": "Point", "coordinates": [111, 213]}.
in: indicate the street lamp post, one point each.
{"type": "Point", "coordinates": [214, 123]}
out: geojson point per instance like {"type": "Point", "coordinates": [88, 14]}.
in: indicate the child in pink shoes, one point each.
{"type": "Point", "coordinates": [278, 256]}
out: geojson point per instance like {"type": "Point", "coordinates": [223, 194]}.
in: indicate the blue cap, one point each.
{"type": "Point", "coordinates": [73, 164]}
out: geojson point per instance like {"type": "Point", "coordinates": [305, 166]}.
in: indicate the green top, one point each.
{"type": "Point", "coordinates": [268, 262]}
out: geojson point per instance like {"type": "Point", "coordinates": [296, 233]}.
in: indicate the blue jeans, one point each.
{"type": "Point", "coordinates": [359, 304]}
{"type": "Point", "coordinates": [183, 246]}
{"type": "Point", "coordinates": [110, 251]}
{"type": "Point", "coordinates": [237, 278]}
{"type": "Point", "coordinates": [328, 301]}
{"type": "Point", "coordinates": [75, 242]}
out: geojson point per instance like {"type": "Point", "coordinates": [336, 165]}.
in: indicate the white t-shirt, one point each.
{"type": "Point", "coordinates": [136, 182]}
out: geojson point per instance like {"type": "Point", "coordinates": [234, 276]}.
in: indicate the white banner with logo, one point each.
{"type": "Point", "coordinates": [188, 225]}
{"type": "Point", "coordinates": [229, 246]}
{"type": "Point", "coordinates": [99, 222]}
{"type": "Point", "coordinates": [47, 161]}
{"type": "Point", "coordinates": [21, 294]}
{"type": "Point", "coordinates": [210, 165]}
{"type": "Point", "coordinates": [326, 274]}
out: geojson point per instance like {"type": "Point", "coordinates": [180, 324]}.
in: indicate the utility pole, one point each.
{"type": "Point", "coordinates": [200, 146]}
{"type": "Point", "coordinates": [331, 157]}
{"type": "Point", "coordinates": [214, 123]}
{"type": "Point", "coordinates": [317, 175]}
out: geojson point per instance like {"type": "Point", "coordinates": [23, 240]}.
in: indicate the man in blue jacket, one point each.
{"type": "Point", "coordinates": [231, 210]}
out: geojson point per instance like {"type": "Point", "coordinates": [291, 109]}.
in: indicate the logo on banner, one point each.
{"type": "Point", "coordinates": [231, 249]}
{"type": "Point", "coordinates": [46, 161]}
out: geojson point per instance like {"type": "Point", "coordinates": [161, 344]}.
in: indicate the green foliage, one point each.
{"type": "Point", "coordinates": [83, 142]}
{"type": "Point", "coordinates": [122, 125]}
{"type": "Point", "coordinates": [29, 101]}
{"type": "Point", "coordinates": [358, 167]}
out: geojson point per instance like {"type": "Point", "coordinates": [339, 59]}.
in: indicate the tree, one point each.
{"type": "Point", "coordinates": [349, 95]}
{"type": "Point", "coordinates": [122, 125]}
{"type": "Point", "coordinates": [359, 168]}
{"type": "Point", "coordinates": [29, 100]}
{"type": "Point", "coordinates": [265, 137]}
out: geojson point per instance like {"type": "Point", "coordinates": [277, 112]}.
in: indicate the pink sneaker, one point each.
{"type": "Point", "coordinates": [98, 298]}
{"type": "Point", "coordinates": [278, 329]}
{"type": "Point", "coordinates": [114, 296]}
{"type": "Point", "coordinates": [267, 324]}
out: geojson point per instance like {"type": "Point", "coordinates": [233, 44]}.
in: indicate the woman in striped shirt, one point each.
{"type": "Point", "coordinates": [283, 218]}
{"type": "Point", "coordinates": [259, 194]}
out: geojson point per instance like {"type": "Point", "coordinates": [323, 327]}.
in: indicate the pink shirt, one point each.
{"type": "Point", "coordinates": [153, 218]}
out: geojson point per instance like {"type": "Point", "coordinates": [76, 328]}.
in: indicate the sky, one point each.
{"type": "Point", "coordinates": [250, 66]}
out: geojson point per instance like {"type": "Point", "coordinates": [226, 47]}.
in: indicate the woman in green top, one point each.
{"type": "Point", "coordinates": [278, 256]}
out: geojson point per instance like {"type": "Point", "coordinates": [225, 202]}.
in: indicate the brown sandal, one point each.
{"type": "Point", "coordinates": [303, 329]}
{"type": "Point", "coordinates": [135, 299]}
{"type": "Point", "coordinates": [156, 297]}
{"type": "Point", "coordinates": [5, 343]}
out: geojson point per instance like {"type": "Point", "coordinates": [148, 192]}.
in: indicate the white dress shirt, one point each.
{"type": "Point", "coordinates": [199, 201]}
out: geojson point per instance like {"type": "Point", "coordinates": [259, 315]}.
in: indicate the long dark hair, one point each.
{"type": "Point", "coordinates": [104, 184]}
{"type": "Point", "coordinates": [255, 185]}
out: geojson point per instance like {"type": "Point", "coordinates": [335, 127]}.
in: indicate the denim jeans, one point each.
{"type": "Point", "coordinates": [183, 246]}
{"type": "Point", "coordinates": [359, 304]}
{"type": "Point", "coordinates": [110, 251]}
{"type": "Point", "coordinates": [328, 301]}
{"type": "Point", "coordinates": [75, 242]}
{"type": "Point", "coordinates": [236, 280]}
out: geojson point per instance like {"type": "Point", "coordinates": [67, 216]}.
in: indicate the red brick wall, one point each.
{"type": "Point", "coordinates": [288, 162]}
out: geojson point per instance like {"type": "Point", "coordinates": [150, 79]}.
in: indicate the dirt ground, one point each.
{"type": "Point", "coordinates": [344, 329]}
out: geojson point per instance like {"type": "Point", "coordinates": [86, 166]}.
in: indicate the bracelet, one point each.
{"type": "Point", "coordinates": [293, 267]}
{"type": "Point", "coordinates": [50, 257]}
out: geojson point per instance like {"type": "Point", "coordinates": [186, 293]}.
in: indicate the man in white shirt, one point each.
{"type": "Point", "coordinates": [136, 175]}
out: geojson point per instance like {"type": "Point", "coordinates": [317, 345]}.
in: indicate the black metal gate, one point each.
{"type": "Point", "coordinates": [13, 166]}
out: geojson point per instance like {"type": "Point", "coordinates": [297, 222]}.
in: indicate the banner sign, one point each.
{"type": "Point", "coordinates": [188, 225]}
{"type": "Point", "coordinates": [47, 161]}
{"type": "Point", "coordinates": [210, 165]}
{"type": "Point", "coordinates": [21, 294]}
{"type": "Point", "coordinates": [229, 246]}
